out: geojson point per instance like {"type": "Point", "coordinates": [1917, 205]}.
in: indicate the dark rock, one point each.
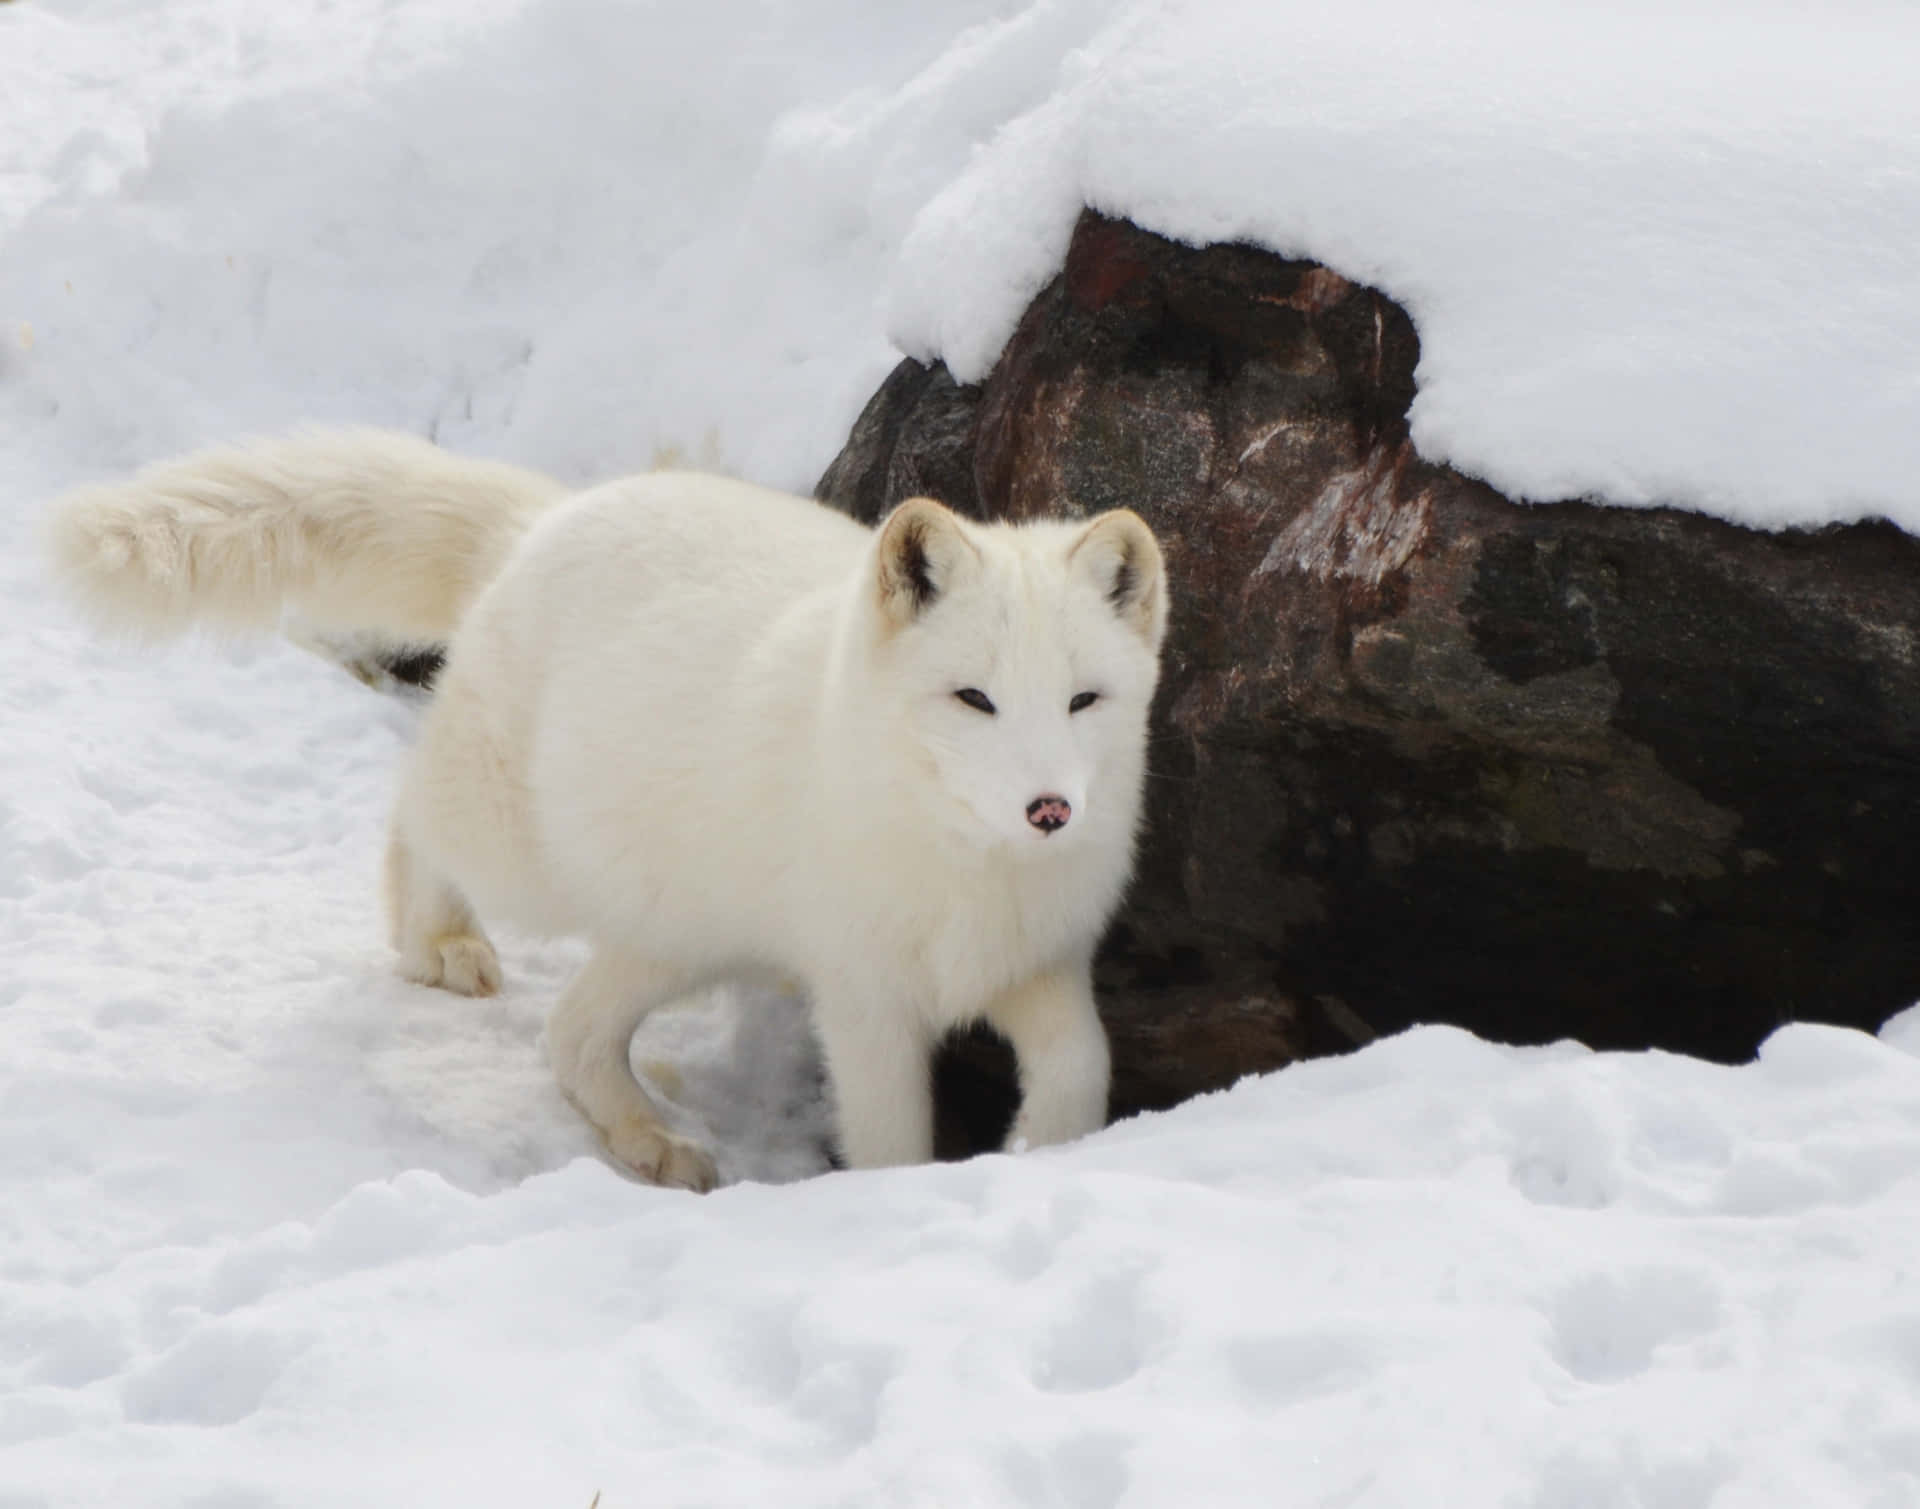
{"type": "Point", "coordinates": [1640, 778]}
{"type": "Point", "coordinates": [913, 439]}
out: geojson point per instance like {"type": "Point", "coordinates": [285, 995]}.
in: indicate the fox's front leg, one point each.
{"type": "Point", "coordinates": [1054, 1027]}
{"type": "Point", "coordinates": [880, 1060]}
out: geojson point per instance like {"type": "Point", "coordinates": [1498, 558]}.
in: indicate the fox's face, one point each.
{"type": "Point", "coordinates": [1023, 661]}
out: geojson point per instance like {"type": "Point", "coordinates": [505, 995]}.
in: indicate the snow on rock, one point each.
{"type": "Point", "coordinates": [277, 1229]}
{"type": "Point", "coordinates": [1656, 253]}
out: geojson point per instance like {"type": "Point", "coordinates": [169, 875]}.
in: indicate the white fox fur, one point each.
{"type": "Point", "coordinates": [715, 729]}
{"type": "Point", "coordinates": [348, 529]}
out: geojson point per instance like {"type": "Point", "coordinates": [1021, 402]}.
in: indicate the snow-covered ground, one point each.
{"type": "Point", "coordinates": [276, 1229]}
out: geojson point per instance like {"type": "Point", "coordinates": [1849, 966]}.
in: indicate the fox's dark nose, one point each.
{"type": "Point", "coordinates": [1049, 813]}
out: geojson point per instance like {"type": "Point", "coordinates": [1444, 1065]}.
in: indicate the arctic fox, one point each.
{"type": "Point", "coordinates": [722, 732]}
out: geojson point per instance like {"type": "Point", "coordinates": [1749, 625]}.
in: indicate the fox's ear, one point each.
{"type": "Point", "coordinates": [921, 550]}
{"type": "Point", "coordinates": [1123, 558]}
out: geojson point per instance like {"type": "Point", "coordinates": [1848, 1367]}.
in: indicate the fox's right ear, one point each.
{"type": "Point", "coordinates": [922, 547]}
{"type": "Point", "coordinates": [1119, 552]}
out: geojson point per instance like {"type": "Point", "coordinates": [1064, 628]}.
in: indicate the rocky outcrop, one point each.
{"type": "Point", "coordinates": [1423, 753]}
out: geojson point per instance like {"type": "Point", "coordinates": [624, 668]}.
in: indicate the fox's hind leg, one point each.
{"type": "Point", "coordinates": [433, 928]}
{"type": "Point", "coordinates": [589, 1037]}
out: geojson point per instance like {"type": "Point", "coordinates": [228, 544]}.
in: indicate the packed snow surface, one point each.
{"type": "Point", "coordinates": [277, 1229]}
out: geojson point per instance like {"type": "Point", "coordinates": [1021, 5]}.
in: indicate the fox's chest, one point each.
{"type": "Point", "coordinates": [973, 943]}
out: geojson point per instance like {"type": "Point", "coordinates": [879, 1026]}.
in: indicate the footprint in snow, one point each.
{"type": "Point", "coordinates": [219, 1375]}
{"type": "Point", "coordinates": [1606, 1328]}
{"type": "Point", "coordinates": [1101, 1341]}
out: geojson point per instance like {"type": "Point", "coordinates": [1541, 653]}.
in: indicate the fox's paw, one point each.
{"type": "Point", "coordinates": [464, 963]}
{"type": "Point", "coordinates": [659, 1157]}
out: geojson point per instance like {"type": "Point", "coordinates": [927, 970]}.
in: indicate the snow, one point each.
{"type": "Point", "coordinates": [278, 1229]}
{"type": "Point", "coordinates": [1656, 253]}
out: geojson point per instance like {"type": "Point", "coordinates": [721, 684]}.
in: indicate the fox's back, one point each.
{"type": "Point", "coordinates": [668, 547]}
{"type": "Point", "coordinates": [653, 655]}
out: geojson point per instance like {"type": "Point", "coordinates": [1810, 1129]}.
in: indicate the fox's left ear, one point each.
{"type": "Point", "coordinates": [1121, 555]}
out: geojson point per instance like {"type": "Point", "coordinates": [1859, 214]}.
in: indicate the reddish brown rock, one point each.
{"type": "Point", "coordinates": [1424, 754]}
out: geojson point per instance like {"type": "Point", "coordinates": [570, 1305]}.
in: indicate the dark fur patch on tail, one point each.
{"type": "Point", "coordinates": [415, 667]}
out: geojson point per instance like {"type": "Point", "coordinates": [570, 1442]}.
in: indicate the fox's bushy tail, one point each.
{"type": "Point", "coordinates": [367, 531]}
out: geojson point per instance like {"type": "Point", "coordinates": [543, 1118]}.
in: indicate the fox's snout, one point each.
{"type": "Point", "coordinates": [1049, 813]}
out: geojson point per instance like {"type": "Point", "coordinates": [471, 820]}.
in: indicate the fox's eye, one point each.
{"type": "Point", "coordinates": [976, 699]}
{"type": "Point", "coordinates": [1082, 702]}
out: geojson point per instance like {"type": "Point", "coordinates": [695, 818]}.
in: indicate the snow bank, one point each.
{"type": "Point", "coordinates": [1435, 1272]}
{"type": "Point", "coordinates": [1656, 253]}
